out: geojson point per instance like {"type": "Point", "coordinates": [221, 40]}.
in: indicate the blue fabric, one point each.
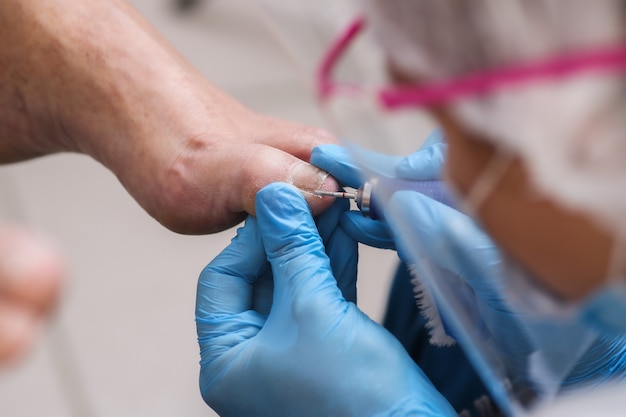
{"type": "Point", "coordinates": [447, 367]}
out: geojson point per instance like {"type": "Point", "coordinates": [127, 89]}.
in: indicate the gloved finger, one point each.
{"type": "Point", "coordinates": [425, 227]}
{"type": "Point", "coordinates": [425, 164]}
{"type": "Point", "coordinates": [346, 165]}
{"type": "Point", "coordinates": [225, 286]}
{"type": "Point", "coordinates": [338, 162]}
{"type": "Point", "coordinates": [367, 231]}
{"type": "Point", "coordinates": [340, 248]}
{"type": "Point", "coordinates": [300, 266]}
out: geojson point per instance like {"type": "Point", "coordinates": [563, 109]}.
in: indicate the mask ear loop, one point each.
{"type": "Point", "coordinates": [485, 184]}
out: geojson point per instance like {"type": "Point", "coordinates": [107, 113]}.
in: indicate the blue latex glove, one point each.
{"type": "Point", "coordinates": [303, 349]}
{"type": "Point", "coordinates": [458, 249]}
{"type": "Point", "coordinates": [425, 164]}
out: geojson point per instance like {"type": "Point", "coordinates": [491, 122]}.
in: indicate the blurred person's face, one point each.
{"type": "Point", "coordinates": [564, 249]}
{"type": "Point", "coordinates": [567, 251]}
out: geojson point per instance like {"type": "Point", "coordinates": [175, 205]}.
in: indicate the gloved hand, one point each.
{"type": "Point", "coordinates": [458, 253]}
{"type": "Point", "coordinates": [423, 165]}
{"type": "Point", "coordinates": [300, 349]}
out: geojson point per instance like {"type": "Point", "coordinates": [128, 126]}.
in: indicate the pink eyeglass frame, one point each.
{"type": "Point", "coordinates": [600, 60]}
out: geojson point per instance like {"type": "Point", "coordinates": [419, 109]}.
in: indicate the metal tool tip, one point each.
{"type": "Point", "coordinates": [322, 193]}
{"type": "Point", "coordinates": [336, 194]}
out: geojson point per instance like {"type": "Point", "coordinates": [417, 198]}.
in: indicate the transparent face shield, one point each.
{"type": "Point", "coordinates": [525, 359]}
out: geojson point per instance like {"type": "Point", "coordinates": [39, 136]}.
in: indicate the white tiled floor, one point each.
{"type": "Point", "coordinates": [127, 310]}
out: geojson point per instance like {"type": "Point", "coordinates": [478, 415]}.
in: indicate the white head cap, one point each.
{"type": "Point", "coordinates": [570, 133]}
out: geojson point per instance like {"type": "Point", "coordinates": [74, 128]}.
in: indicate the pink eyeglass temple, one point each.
{"type": "Point", "coordinates": [601, 60]}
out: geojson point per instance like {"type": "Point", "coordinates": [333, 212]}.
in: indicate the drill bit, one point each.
{"type": "Point", "coordinates": [336, 194]}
